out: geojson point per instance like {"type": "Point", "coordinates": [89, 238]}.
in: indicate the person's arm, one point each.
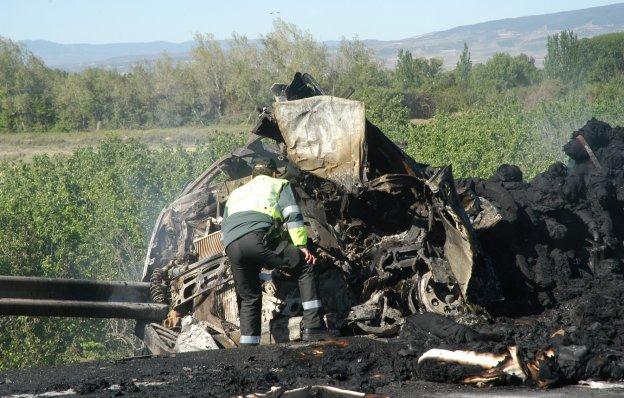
{"type": "Point", "coordinates": [293, 220]}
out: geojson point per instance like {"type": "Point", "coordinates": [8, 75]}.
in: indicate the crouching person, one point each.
{"type": "Point", "coordinates": [252, 238]}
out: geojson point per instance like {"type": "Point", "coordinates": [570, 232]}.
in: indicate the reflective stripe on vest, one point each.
{"type": "Point", "coordinates": [260, 194]}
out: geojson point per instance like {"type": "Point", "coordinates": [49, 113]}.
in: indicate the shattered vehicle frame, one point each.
{"type": "Point", "coordinates": [393, 236]}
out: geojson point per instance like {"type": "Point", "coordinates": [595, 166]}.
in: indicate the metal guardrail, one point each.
{"type": "Point", "coordinates": [35, 296]}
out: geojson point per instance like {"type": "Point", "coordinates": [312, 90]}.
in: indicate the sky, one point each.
{"type": "Point", "coordinates": [122, 21]}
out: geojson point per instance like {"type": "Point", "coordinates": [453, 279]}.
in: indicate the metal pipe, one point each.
{"type": "Point", "coordinates": [86, 309]}
{"type": "Point", "coordinates": [25, 287]}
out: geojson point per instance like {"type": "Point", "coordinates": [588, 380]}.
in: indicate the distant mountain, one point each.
{"type": "Point", "coordinates": [75, 57]}
{"type": "Point", "coordinates": [513, 35]}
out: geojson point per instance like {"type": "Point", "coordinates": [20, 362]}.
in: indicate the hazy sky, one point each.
{"type": "Point", "coordinates": [110, 21]}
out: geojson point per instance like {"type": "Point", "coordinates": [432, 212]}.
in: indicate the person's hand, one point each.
{"type": "Point", "coordinates": [309, 257]}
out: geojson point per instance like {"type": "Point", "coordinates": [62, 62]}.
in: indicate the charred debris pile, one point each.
{"type": "Point", "coordinates": [557, 253]}
{"type": "Point", "coordinates": [484, 281]}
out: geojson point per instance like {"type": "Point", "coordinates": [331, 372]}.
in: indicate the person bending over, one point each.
{"type": "Point", "coordinates": [252, 223]}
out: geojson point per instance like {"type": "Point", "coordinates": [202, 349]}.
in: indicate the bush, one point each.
{"type": "Point", "coordinates": [385, 108]}
{"type": "Point", "coordinates": [475, 142]}
{"type": "Point", "coordinates": [88, 215]}
{"type": "Point", "coordinates": [503, 71]}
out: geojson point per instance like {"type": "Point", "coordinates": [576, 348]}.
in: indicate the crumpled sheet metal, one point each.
{"type": "Point", "coordinates": [325, 136]}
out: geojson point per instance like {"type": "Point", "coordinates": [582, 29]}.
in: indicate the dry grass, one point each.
{"type": "Point", "coordinates": [419, 122]}
{"type": "Point", "coordinates": [23, 146]}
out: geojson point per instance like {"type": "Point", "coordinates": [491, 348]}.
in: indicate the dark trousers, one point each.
{"type": "Point", "coordinates": [248, 254]}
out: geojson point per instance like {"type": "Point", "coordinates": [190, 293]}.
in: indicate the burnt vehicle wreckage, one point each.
{"type": "Point", "coordinates": [391, 234]}
{"type": "Point", "coordinates": [483, 281]}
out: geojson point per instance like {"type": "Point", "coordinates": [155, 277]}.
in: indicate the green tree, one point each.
{"type": "Point", "coordinates": [464, 65]}
{"type": "Point", "coordinates": [563, 58]}
{"type": "Point", "coordinates": [209, 70]}
{"type": "Point", "coordinates": [355, 68]}
{"type": "Point", "coordinates": [288, 49]}
{"type": "Point", "coordinates": [385, 108]}
{"type": "Point", "coordinates": [412, 72]}
{"type": "Point", "coordinates": [175, 96]}
{"type": "Point", "coordinates": [26, 99]}
{"type": "Point", "coordinates": [248, 77]}
{"type": "Point", "coordinates": [602, 56]}
{"type": "Point", "coordinates": [504, 71]}
{"type": "Point", "coordinates": [404, 72]}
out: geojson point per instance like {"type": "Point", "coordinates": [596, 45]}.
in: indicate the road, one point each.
{"type": "Point", "coordinates": [358, 364]}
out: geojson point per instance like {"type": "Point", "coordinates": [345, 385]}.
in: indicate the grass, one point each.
{"type": "Point", "coordinates": [24, 146]}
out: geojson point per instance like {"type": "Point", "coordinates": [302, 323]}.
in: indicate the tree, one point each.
{"type": "Point", "coordinates": [563, 58]}
{"type": "Point", "coordinates": [210, 74]}
{"type": "Point", "coordinates": [464, 65]}
{"type": "Point", "coordinates": [175, 95]}
{"type": "Point", "coordinates": [248, 77]}
{"type": "Point", "coordinates": [288, 49]}
{"type": "Point", "coordinates": [26, 99]}
{"type": "Point", "coordinates": [602, 56]}
{"type": "Point", "coordinates": [504, 71]}
{"type": "Point", "coordinates": [355, 68]}
{"type": "Point", "coordinates": [385, 108]}
{"type": "Point", "coordinates": [412, 72]}
{"type": "Point", "coordinates": [404, 72]}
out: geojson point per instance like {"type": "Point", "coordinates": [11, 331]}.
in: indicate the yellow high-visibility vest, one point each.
{"type": "Point", "coordinates": [260, 194]}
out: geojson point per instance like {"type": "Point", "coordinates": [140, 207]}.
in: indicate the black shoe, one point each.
{"type": "Point", "coordinates": [316, 334]}
{"type": "Point", "coordinates": [244, 345]}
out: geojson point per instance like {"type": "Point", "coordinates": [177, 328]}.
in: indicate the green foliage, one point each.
{"type": "Point", "coordinates": [287, 50]}
{"type": "Point", "coordinates": [607, 99]}
{"type": "Point", "coordinates": [464, 65]}
{"type": "Point", "coordinates": [603, 56]}
{"type": "Point", "coordinates": [26, 100]}
{"type": "Point", "coordinates": [504, 130]}
{"type": "Point", "coordinates": [229, 83]}
{"type": "Point", "coordinates": [88, 215]}
{"type": "Point", "coordinates": [412, 73]}
{"type": "Point", "coordinates": [218, 83]}
{"type": "Point", "coordinates": [503, 72]}
{"type": "Point", "coordinates": [384, 108]}
{"type": "Point", "coordinates": [475, 142]}
{"type": "Point", "coordinates": [354, 68]}
{"type": "Point", "coordinates": [592, 59]}
{"type": "Point", "coordinates": [563, 60]}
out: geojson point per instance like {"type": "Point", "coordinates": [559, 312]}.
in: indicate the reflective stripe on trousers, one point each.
{"type": "Point", "coordinates": [312, 304]}
{"type": "Point", "coordinates": [250, 339]}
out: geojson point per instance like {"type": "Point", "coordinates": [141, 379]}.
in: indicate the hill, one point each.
{"type": "Point", "coordinates": [76, 57]}
{"type": "Point", "coordinates": [513, 35]}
